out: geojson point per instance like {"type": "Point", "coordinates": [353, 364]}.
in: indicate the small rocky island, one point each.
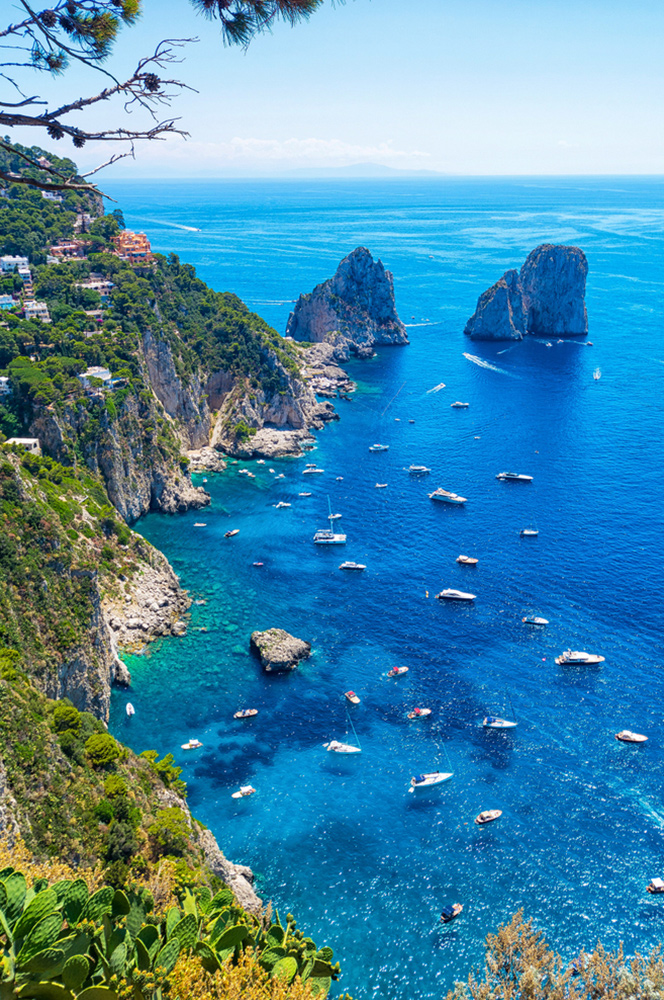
{"type": "Point", "coordinates": [353, 311]}
{"type": "Point", "coordinates": [278, 650]}
{"type": "Point", "coordinates": [546, 298]}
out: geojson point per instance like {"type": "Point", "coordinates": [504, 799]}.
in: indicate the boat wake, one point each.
{"type": "Point", "coordinates": [436, 388]}
{"type": "Point", "coordinates": [486, 364]}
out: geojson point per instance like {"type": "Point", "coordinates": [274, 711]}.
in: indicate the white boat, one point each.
{"type": "Point", "coordinates": [280, 505]}
{"type": "Point", "coordinates": [325, 536]}
{"type": "Point", "coordinates": [129, 709]}
{"type": "Point", "coordinates": [397, 671]}
{"type": "Point", "coordinates": [419, 713]}
{"type": "Point", "coordinates": [573, 656]}
{"type": "Point", "coordinates": [304, 494]}
{"type": "Point", "coordinates": [467, 560]}
{"type": "Point", "coordinates": [381, 486]}
{"type": "Point", "coordinates": [627, 736]}
{"type": "Point", "coordinates": [260, 461]}
{"type": "Point", "coordinates": [488, 816]}
{"type": "Point", "coordinates": [655, 886]}
{"type": "Point", "coordinates": [352, 565]}
{"type": "Point", "coordinates": [245, 713]}
{"type": "Point", "coordinates": [192, 745]}
{"type": "Point", "coordinates": [445, 496]}
{"type": "Point", "coordinates": [244, 792]}
{"type": "Point", "coordinates": [334, 517]}
{"type": "Point", "coordinates": [459, 406]}
{"type": "Point", "coordinates": [335, 746]}
{"type": "Point", "coordinates": [200, 524]}
{"type": "Point", "coordinates": [271, 470]}
{"type": "Point", "coordinates": [495, 722]}
{"type": "Point", "coordinates": [352, 697]}
{"type": "Point", "coordinates": [418, 470]}
{"type": "Point", "coordinates": [428, 780]}
{"type": "Point", "coordinates": [312, 470]}
{"type": "Point", "coordinates": [597, 374]}
{"type": "Point", "coordinates": [514, 477]}
{"type": "Point", "coordinates": [281, 475]}
{"type": "Point", "coordinates": [534, 620]}
{"type": "Point", "coordinates": [379, 447]}
{"type": "Point", "coordinates": [529, 533]}
{"type": "Point", "coordinates": [454, 595]}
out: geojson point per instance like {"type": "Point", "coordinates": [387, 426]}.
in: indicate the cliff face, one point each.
{"type": "Point", "coordinates": [546, 298]}
{"type": "Point", "coordinates": [354, 310]}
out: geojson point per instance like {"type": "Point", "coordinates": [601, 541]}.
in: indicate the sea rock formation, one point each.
{"type": "Point", "coordinates": [546, 298]}
{"type": "Point", "coordinates": [353, 311]}
{"type": "Point", "coordinates": [279, 650]}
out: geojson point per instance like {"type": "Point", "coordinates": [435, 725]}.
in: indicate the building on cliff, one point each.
{"type": "Point", "coordinates": [133, 247]}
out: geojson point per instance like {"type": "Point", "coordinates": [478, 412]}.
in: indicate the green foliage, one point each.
{"type": "Point", "coordinates": [101, 750]}
{"type": "Point", "coordinates": [169, 774]}
{"type": "Point", "coordinates": [114, 786]}
{"type": "Point", "coordinates": [66, 718]}
{"type": "Point", "coordinates": [170, 832]}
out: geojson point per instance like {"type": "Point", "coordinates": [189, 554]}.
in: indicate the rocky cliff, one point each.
{"type": "Point", "coordinates": [546, 298]}
{"type": "Point", "coordinates": [353, 311]}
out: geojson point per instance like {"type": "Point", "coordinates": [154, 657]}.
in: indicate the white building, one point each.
{"type": "Point", "coordinates": [98, 283]}
{"type": "Point", "coordinates": [36, 310]}
{"type": "Point", "coordinates": [6, 302]}
{"type": "Point", "coordinates": [52, 196]}
{"type": "Point", "coordinates": [30, 444]}
{"type": "Point", "coordinates": [5, 387]}
{"type": "Point", "coordinates": [95, 372]}
{"type": "Point", "coordinates": [8, 263]}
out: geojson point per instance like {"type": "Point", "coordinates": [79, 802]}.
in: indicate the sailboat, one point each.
{"type": "Point", "coordinates": [497, 722]}
{"type": "Point", "coordinates": [337, 746]}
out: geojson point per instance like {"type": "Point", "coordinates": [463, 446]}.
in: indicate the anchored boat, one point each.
{"type": "Point", "coordinates": [488, 816]}
{"type": "Point", "coordinates": [575, 657]}
{"type": "Point", "coordinates": [336, 747]}
{"type": "Point", "coordinates": [495, 722]}
{"type": "Point", "coordinates": [454, 595]}
{"type": "Point", "coordinates": [325, 536]}
{"type": "Point", "coordinates": [467, 560]}
{"type": "Point", "coordinates": [129, 709]}
{"type": "Point", "coordinates": [352, 565]}
{"type": "Point", "coordinates": [627, 736]}
{"type": "Point", "coordinates": [419, 713]}
{"type": "Point", "coordinates": [245, 713]}
{"type": "Point", "coordinates": [244, 792]}
{"type": "Point", "coordinates": [445, 496]}
{"type": "Point", "coordinates": [192, 745]}
{"type": "Point", "coordinates": [428, 780]}
{"type": "Point", "coordinates": [397, 671]}
{"type": "Point", "coordinates": [352, 697]}
{"type": "Point", "coordinates": [450, 913]}
{"type": "Point", "coordinates": [534, 620]}
{"type": "Point", "coordinates": [514, 477]}
{"type": "Point", "coordinates": [529, 532]}
{"type": "Point", "coordinates": [379, 447]}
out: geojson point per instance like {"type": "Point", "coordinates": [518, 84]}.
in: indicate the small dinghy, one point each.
{"type": "Point", "coordinates": [230, 534]}
{"type": "Point", "coordinates": [529, 533]}
{"type": "Point", "coordinates": [454, 595]}
{"type": "Point", "coordinates": [655, 886]}
{"type": "Point", "coordinates": [495, 722]}
{"type": "Point", "coordinates": [467, 560]}
{"type": "Point", "coordinates": [192, 745]}
{"type": "Point", "coordinates": [397, 671]}
{"type": "Point", "coordinates": [534, 620]}
{"type": "Point", "coordinates": [627, 736]}
{"type": "Point", "coordinates": [352, 697]}
{"type": "Point", "coordinates": [129, 709]}
{"type": "Point", "coordinates": [245, 713]}
{"type": "Point", "coordinates": [419, 713]}
{"type": "Point", "coordinates": [244, 792]}
{"type": "Point", "coordinates": [488, 816]}
{"type": "Point", "coordinates": [428, 780]}
{"type": "Point", "coordinates": [335, 746]}
{"type": "Point", "coordinates": [450, 913]}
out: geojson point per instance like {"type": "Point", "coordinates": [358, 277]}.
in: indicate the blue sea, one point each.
{"type": "Point", "coordinates": [365, 866]}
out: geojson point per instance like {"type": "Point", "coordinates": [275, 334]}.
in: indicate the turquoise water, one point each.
{"type": "Point", "coordinates": [364, 865]}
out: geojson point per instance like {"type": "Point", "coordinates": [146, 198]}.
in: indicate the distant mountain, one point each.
{"type": "Point", "coordinates": [361, 170]}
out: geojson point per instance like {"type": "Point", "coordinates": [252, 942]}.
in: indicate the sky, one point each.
{"type": "Point", "coordinates": [464, 87]}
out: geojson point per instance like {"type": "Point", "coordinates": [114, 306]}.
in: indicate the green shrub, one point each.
{"type": "Point", "coordinates": [67, 718]}
{"type": "Point", "coordinates": [170, 832]}
{"type": "Point", "coordinates": [104, 811]}
{"type": "Point", "coordinates": [101, 750]}
{"type": "Point", "coordinates": [114, 786]}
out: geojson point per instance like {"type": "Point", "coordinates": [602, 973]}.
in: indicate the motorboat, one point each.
{"type": "Point", "coordinates": [243, 472]}
{"type": "Point", "coordinates": [312, 470]}
{"type": "Point", "coordinates": [450, 913]}
{"type": "Point", "coordinates": [459, 406]}
{"type": "Point", "coordinates": [282, 475]}
{"type": "Point", "coordinates": [245, 713]}
{"type": "Point", "coordinates": [204, 480]}
{"type": "Point", "coordinates": [597, 374]}
{"type": "Point", "coordinates": [411, 421]}
{"type": "Point", "coordinates": [260, 461]}
{"type": "Point", "coordinates": [335, 746]}
{"type": "Point", "coordinates": [655, 886]}
{"type": "Point", "coordinates": [445, 496]}
{"type": "Point", "coordinates": [200, 524]}
{"type": "Point", "coordinates": [419, 713]}
{"type": "Point", "coordinates": [271, 471]}
{"type": "Point", "coordinates": [495, 722]}
{"type": "Point", "coordinates": [488, 816]}
{"type": "Point", "coordinates": [529, 532]}
{"type": "Point", "coordinates": [397, 671]}
{"type": "Point", "coordinates": [192, 744]}
{"type": "Point", "coordinates": [334, 517]}
{"type": "Point", "coordinates": [548, 344]}
{"type": "Point", "coordinates": [230, 534]}
{"type": "Point", "coordinates": [454, 595]}
{"type": "Point", "coordinates": [325, 536]}
{"type": "Point", "coordinates": [534, 620]}
{"type": "Point", "coordinates": [381, 486]}
{"type": "Point", "coordinates": [244, 792]}
{"type": "Point", "coordinates": [428, 780]}
{"type": "Point", "coordinates": [379, 447]}
{"type": "Point", "coordinates": [281, 504]}
{"type": "Point", "coordinates": [258, 564]}
{"type": "Point", "coordinates": [418, 470]}
{"type": "Point", "coordinates": [352, 565]}
{"type": "Point", "coordinates": [627, 736]}
{"type": "Point", "coordinates": [514, 477]}
{"type": "Point", "coordinates": [129, 709]}
{"type": "Point", "coordinates": [352, 697]}
{"type": "Point", "coordinates": [573, 656]}
{"type": "Point", "coordinates": [467, 560]}
{"type": "Point", "coordinates": [305, 494]}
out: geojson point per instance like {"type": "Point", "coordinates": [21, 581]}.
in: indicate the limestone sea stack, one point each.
{"type": "Point", "coordinates": [279, 650]}
{"type": "Point", "coordinates": [353, 311]}
{"type": "Point", "coordinates": [546, 298]}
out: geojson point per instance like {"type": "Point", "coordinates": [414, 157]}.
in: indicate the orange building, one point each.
{"type": "Point", "coordinates": [134, 247]}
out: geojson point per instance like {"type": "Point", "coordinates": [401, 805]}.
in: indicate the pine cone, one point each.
{"type": "Point", "coordinates": [48, 18]}
{"type": "Point", "coordinates": [55, 131]}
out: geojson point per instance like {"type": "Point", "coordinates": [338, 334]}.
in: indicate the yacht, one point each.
{"type": "Point", "coordinates": [325, 536]}
{"type": "Point", "coordinates": [352, 565]}
{"type": "Point", "coordinates": [192, 744]}
{"type": "Point", "coordinates": [244, 792]}
{"type": "Point", "coordinates": [379, 447]}
{"type": "Point", "coordinates": [495, 722]}
{"type": "Point", "coordinates": [467, 560]}
{"type": "Point", "coordinates": [454, 595]}
{"type": "Point", "coordinates": [534, 620]}
{"type": "Point", "coordinates": [514, 477]}
{"type": "Point", "coordinates": [336, 747]}
{"type": "Point", "coordinates": [529, 532]}
{"type": "Point", "coordinates": [427, 780]}
{"type": "Point", "coordinates": [418, 470]}
{"type": "Point", "coordinates": [459, 406]}
{"type": "Point", "coordinates": [444, 496]}
{"type": "Point", "coordinates": [627, 736]}
{"type": "Point", "coordinates": [572, 656]}
{"type": "Point", "coordinates": [312, 470]}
